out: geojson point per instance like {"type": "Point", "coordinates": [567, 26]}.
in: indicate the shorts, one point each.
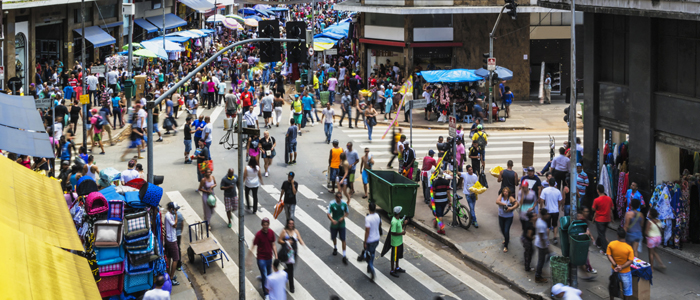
{"type": "Point", "coordinates": [633, 237]}
{"type": "Point", "coordinates": [155, 127]}
{"type": "Point", "coordinates": [292, 147]}
{"type": "Point", "coordinates": [267, 114]}
{"type": "Point", "coordinates": [135, 143]}
{"type": "Point", "coordinates": [297, 118]}
{"type": "Point", "coordinates": [507, 103]}
{"type": "Point", "coordinates": [188, 146]}
{"type": "Point", "coordinates": [396, 252]}
{"type": "Point", "coordinates": [230, 112]}
{"type": "Point", "coordinates": [338, 231]}
{"type": "Point", "coordinates": [351, 175]}
{"type": "Point", "coordinates": [553, 220]}
{"type": "Point", "coordinates": [172, 251]}
{"type": "Point", "coordinates": [264, 155]}
{"type": "Point", "coordinates": [626, 279]}
{"type": "Point", "coordinates": [440, 209]}
{"type": "Point", "coordinates": [653, 241]}
{"type": "Point", "coordinates": [365, 177]}
{"type": "Point", "coordinates": [231, 203]}
{"type": "Point", "coordinates": [342, 181]}
{"type": "Point", "coordinates": [97, 137]}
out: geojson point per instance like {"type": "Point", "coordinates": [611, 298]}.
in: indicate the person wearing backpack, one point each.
{"type": "Point", "coordinates": [107, 126]}
{"type": "Point", "coordinates": [97, 127]}
{"type": "Point", "coordinates": [482, 139]}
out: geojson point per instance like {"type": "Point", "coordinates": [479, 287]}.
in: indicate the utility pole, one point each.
{"type": "Point", "coordinates": [131, 52]}
{"type": "Point", "coordinates": [312, 61]}
{"type": "Point", "coordinates": [162, 4]}
{"type": "Point", "coordinates": [241, 214]}
{"type": "Point", "coordinates": [572, 133]}
{"type": "Point", "coordinates": [82, 83]}
{"type": "Point", "coordinates": [455, 176]}
{"type": "Point", "coordinates": [493, 32]}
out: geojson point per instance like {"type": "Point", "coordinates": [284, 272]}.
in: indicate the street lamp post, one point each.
{"type": "Point", "coordinates": [488, 110]}
{"type": "Point", "coordinates": [82, 83]}
{"type": "Point", "coordinates": [131, 52]}
{"type": "Point", "coordinates": [572, 131]}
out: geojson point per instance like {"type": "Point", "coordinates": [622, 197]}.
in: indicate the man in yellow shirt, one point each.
{"type": "Point", "coordinates": [334, 164]}
{"type": "Point", "coordinates": [297, 110]}
{"type": "Point", "coordinates": [481, 139]}
{"type": "Point", "coordinates": [621, 255]}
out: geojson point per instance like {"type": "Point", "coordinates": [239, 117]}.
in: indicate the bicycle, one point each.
{"type": "Point", "coordinates": [464, 216]}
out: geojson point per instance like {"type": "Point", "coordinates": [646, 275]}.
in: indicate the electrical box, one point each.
{"type": "Point", "coordinates": [309, 36]}
{"type": "Point", "coordinates": [128, 9]}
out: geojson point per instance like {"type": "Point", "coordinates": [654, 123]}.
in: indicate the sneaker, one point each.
{"type": "Point", "coordinates": [530, 269]}
{"type": "Point", "coordinates": [345, 260]}
{"type": "Point", "coordinates": [179, 268]}
{"type": "Point", "coordinates": [267, 174]}
{"type": "Point", "coordinates": [392, 273]}
{"type": "Point", "coordinates": [335, 251]}
{"type": "Point", "coordinates": [476, 225]}
{"type": "Point", "coordinates": [593, 271]}
{"type": "Point", "coordinates": [371, 278]}
{"type": "Point", "coordinates": [159, 140]}
{"type": "Point", "coordinates": [175, 282]}
{"type": "Point", "coordinates": [540, 280]}
{"type": "Point", "coordinates": [400, 270]}
{"type": "Point", "coordinates": [555, 241]}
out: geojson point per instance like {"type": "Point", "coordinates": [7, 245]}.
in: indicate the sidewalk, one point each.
{"type": "Point", "coordinates": [482, 246]}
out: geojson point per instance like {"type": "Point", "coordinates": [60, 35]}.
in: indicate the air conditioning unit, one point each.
{"type": "Point", "coordinates": [128, 9]}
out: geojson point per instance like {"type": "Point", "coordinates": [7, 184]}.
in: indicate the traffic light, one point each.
{"type": "Point", "coordinates": [304, 73]}
{"type": "Point", "coordinates": [566, 114]}
{"type": "Point", "coordinates": [269, 51]}
{"type": "Point", "coordinates": [485, 60]}
{"type": "Point", "coordinates": [512, 8]}
{"type": "Point", "coordinates": [296, 51]}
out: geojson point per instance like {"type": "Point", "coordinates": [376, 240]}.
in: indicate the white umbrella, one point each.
{"type": "Point", "coordinates": [216, 18]}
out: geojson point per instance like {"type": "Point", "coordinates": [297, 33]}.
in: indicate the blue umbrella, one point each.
{"type": "Point", "coordinates": [256, 18]}
{"type": "Point", "coordinates": [247, 11]}
{"type": "Point", "coordinates": [500, 72]}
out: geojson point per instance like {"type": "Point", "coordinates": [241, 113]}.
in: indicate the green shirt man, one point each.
{"type": "Point", "coordinates": [337, 211]}
{"type": "Point", "coordinates": [396, 227]}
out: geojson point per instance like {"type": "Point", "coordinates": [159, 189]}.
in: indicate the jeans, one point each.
{"type": "Point", "coordinates": [289, 211]}
{"type": "Point", "coordinates": [471, 200]}
{"type": "Point", "coordinates": [369, 130]}
{"type": "Point", "coordinates": [304, 120]}
{"type": "Point", "coordinates": [342, 117]}
{"type": "Point", "coordinates": [426, 189]}
{"type": "Point", "coordinates": [601, 241]}
{"type": "Point", "coordinates": [504, 223]}
{"type": "Point", "coordinates": [289, 268]}
{"type": "Point", "coordinates": [331, 97]}
{"type": "Point", "coordinates": [359, 113]}
{"type": "Point", "coordinates": [372, 248]}
{"type": "Point", "coordinates": [255, 198]}
{"type": "Point", "coordinates": [117, 114]}
{"type": "Point", "coordinates": [567, 210]}
{"type": "Point", "coordinates": [546, 167]}
{"type": "Point", "coordinates": [559, 177]}
{"type": "Point", "coordinates": [541, 256]}
{"type": "Point", "coordinates": [328, 129]}
{"type": "Point", "coordinates": [265, 267]}
{"type": "Point", "coordinates": [529, 251]}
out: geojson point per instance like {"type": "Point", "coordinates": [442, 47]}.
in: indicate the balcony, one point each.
{"type": "Point", "coordinates": [673, 9]}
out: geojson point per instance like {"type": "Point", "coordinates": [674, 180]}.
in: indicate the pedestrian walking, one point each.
{"type": "Point", "coordinates": [469, 179]}
{"type": "Point", "coordinates": [441, 197]}
{"type": "Point", "coordinates": [551, 199]}
{"type": "Point", "coordinates": [253, 148]}
{"type": "Point", "coordinates": [561, 291]}
{"type": "Point", "coordinates": [366, 164]}
{"type": "Point", "coordinates": [560, 167]}
{"type": "Point", "coordinates": [345, 106]}
{"type": "Point", "coordinates": [527, 238]}
{"type": "Point", "coordinates": [653, 234]}
{"type": "Point", "coordinates": [187, 140]}
{"type": "Point", "coordinates": [427, 169]}
{"type": "Point", "coordinates": [297, 110]}
{"type": "Point", "coordinates": [370, 120]}
{"type": "Point", "coordinates": [337, 212]}
{"type": "Point", "coordinates": [172, 250]}
{"type": "Point", "coordinates": [327, 119]}
{"type": "Point", "coordinates": [308, 104]}
{"type": "Point", "coordinates": [547, 89]}
{"type": "Point", "coordinates": [135, 138]}
{"type": "Point", "coordinates": [279, 102]}
{"type": "Point", "coordinates": [506, 205]}
{"type": "Point", "coordinates": [621, 255]}
{"type": "Point", "coordinates": [98, 125]}
{"type": "Point", "coordinates": [289, 192]}
{"type": "Point", "coordinates": [265, 242]}
{"type": "Point", "coordinates": [373, 225]}
{"type": "Point", "coordinates": [267, 149]}
{"type": "Point", "coordinates": [528, 202]}
{"type": "Point", "coordinates": [229, 184]}
{"type": "Point", "coordinates": [291, 142]}
{"type": "Point", "coordinates": [198, 127]}
{"type": "Point", "coordinates": [475, 156]}
{"type": "Point", "coordinates": [289, 238]}
{"type": "Point", "coordinates": [603, 210]}
{"type": "Point", "coordinates": [334, 165]}
{"type": "Point", "coordinates": [542, 243]}
{"type": "Point", "coordinates": [275, 284]}
{"type": "Point", "coordinates": [206, 186]}
{"type": "Point", "coordinates": [353, 158]}
{"type": "Point", "coordinates": [267, 104]}
{"type": "Point", "coordinates": [408, 158]}
{"type": "Point", "coordinates": [157, 293]}
{"type": "Point", "coordinates": [203, 157]}
{"type": "Point", "coordinates": [343, 174]}
{"type": "Point", "coordinates": [633, 226]}
{"type": "Point", "coordinates": [253, 180]}
{"type": "Point", "coordinates": [508, 178]}
{"type": "Point", "coordinates": [482, 139]}
{"type": "Point", "coordinates": [251, 118]}
{"type": "Point", "coordinates": [178, 232]}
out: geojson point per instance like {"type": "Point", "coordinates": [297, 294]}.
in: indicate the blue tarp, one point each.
{"type": "Point", "coordinates": [325, 40]}
{"type": "Point", "coordinates": [456, 75]}
{"type": "Point", "coordinates": [337, 31]}
{"type": "Point", "coordinates": [156, 48]}
{"type": "Point", "coordinates": [146, 25]}
{"type": "Point", "coordinates": [177, 39]}
{"type": "Point", "coordinates": [171, 21]}
{"type": "Point", "coordinates": [278, 9]}
{"type": "Point", "coordinates": [169, 45]}
{"type": "Point", "coordinates": [97, 36]}
{"type": "Point", "coordinates": [206, 30]}
{"type": "Point", "coordinates": [500, 72]}
{"type": "Point", "coordinates": [256, 18]}
{"type": "Point", "coordinates": [247, 11]}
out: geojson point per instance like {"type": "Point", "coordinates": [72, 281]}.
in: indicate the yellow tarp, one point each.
{"type": "Point", "coordinates": [322, 46]}
{"type": "Point", "coordinates": [32, 269]}
{"type": "Point", "coordinates": [34, 205]}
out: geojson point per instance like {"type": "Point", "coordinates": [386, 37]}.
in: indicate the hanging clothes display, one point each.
{"type": "Point", "coordinates": [605, 180]}
{"type": "Point", "coordinates": [665, 213]}
{"type": "Point", "coordinates": [621, 202]}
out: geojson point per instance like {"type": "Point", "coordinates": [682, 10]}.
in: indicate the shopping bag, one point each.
{"type": "Point", "coordinates": [495, 171]}
{"type": "Point", "coordinates": [483, 181]}
{"type": "Point", "coordinates": [477, 188]}
{"type": "Point", "coordinates": [278, 209]}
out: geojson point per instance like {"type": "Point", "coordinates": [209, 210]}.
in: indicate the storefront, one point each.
{"type": "Point", "coordinates": [96, 38]}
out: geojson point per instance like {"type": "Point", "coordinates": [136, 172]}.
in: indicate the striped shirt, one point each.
{"type": "Point", "coordinates": [581, 183]}
{"type": "Point", "coordinates": [440, 188]}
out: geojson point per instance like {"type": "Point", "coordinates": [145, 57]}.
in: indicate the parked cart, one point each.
{"type": "Point", "coordinates": [204, 246]}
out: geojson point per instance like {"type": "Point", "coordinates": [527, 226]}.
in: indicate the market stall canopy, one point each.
{"type": "Point", "coordinates": [146, 25]}
{"type": "Point", "coordinates": [136, 46]}
{"type": "Point", "coordinates": [278, 9]}
{"type": "Point", "coordinates": [216, 18]}
{"type": "Point", "coordinates": [500, 72]}
{"type": "Point", "coordinates": [318, 46]}
{"type": "Point", "coordinates": [256, 18]}
{"type": "Point", "coordinates": [247, 11]}
{"type": "Point", "coordinates": [261, 6]}
{"type": "Point", "coordinates": [170, 46]}
{"type": "Point", "coordinates": [35, 225]}
{"type": "Point", "coordinates": [232, 23]}
{"type": "Point", "coordinates": [337, 31]}
{"type": "Point", "coordinates": [96, 36]}
{"type": "Point", "coordinates": [177, 38]}
{"type": "Point", "coordinates": [21, 128]}
{"type": "Point", "coordinates": [145, 53]}
{"type": "Point", "coordinates": [251, 22]}
{"type": "Point", "coordinates": [156, 48]}
{"type": "Point", "coordinates": [171, 21]}
{"type": "Point", "coordinates": [198, 5]}
{"type": "Point", "coordinates": [187, 34]}
{"type": "Point", "coordinates": [456, 75]}
{"type": "Point", "coordinates": [236, 17]}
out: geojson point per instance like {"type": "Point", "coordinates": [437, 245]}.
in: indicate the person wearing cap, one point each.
{"type": "Point", "coordinates": [581, 183]}
{"type": "Point", "coordinates": [534, 182]}
{"type": "Point", "coordinates": [172, 251]}
{"type": "Point", "coordinates": [482, 139]}
{"type": "Point", "coordinates": [267, 106]}
{"type": "Point", "coordinates": [396, 233]}
{"type": "Point", "coordinates": [265, 242]}
{"type": "Point", "coordinates": [230, 188]}
{"type": "Point", "coordinates": [337, 212]}
{"type": "Point", "coordinates": [289, 192]}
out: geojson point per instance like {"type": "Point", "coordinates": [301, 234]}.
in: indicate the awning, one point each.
{"type": "Point", "coordinates": [148, 27]}
{"type": "Point", "coordinates": [21, 128]}
{"type": "Point", "coordinates": [115, 24]}
{"type": "Point", "coordinates": [198, 5]}
{"type": "Point", "coordinates": [97, 36]}
{"type": "Point", "coordinates": [455, 75]}
{"type": "Point", "coordinates": [171, 21]}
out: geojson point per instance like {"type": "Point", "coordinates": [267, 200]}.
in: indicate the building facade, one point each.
{"type": "Point", "coordinates": [641, 85]}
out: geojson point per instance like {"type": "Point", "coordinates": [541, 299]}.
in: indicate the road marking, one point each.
{"type": "Point", "coordinates": [438, 260]}
{"type": "Point", "coordinates": [200, 111]}
{"type": "Point", "coordinates": [272, 191]}
{"type": "Point", "coordinates": [316, 264]}
{"type": "Point", "coordinates": [380, 279]}
{"type": "Point", "coordinates": [415, 272]}
{"type": "Point", "coordinates": [230, 268]}
{"type": "Point", "coordinates": [489, 148]}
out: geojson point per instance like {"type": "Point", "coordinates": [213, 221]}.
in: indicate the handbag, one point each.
{"type": "Point", "coordinates": [482, 180]}
{"type": "Point", "coordinates": [211, 200]}
{"type": "Point", "coordinates": [614, 285]}
{"type": "Point", "coordinates": [373, 121]}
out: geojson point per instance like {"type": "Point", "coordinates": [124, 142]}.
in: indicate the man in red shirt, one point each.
{"type": "Point", "coordinates": [428, 163]}
{"type": "Point", "coordinates": [265, 241]}
{"type": "Point", "coordinates": [602, 206]}
{"type": "Point", "coordinates": [247, 98]}
{"type": "Point", "coordinates": [72, 81]}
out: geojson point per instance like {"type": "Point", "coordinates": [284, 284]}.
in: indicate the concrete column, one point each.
{"type": "Point", "coordinates": [593, 136]}
{"type": "Point", "coordinates": [408, 38]}
{"type": "Point", "coordinates": [68, 33]}
{"type": "Point", "coordinates": [641, 70]}
{"type": "Point", "coordinates": [667, 164]}
{"type": "Point", "coordinates": [31, 47]}
{"type": "Point", "coordinates": [10, 46]}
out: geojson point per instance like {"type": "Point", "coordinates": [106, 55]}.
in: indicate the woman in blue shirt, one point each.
{"type": "Point", "coordinates": [508, 100]}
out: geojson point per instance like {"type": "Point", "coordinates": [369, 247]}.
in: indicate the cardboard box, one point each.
{"type": "Point", "coordinates": [140, 82]}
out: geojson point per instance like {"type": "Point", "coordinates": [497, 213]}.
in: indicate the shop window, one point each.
{"type": "Point", "coordinates": [386, 20]}
{"type": "Point", "coordinates": [20, 55]}
{"type": "Point", "coordinates": [438, 58]}
{"type": "Point", "coordinates": [427, 21]}
{"type": "Point", "coordinates": [678, 60]}
{"type": "Point", "coordinates": [77, 18]}
{"type": "Point", "coordinates": [108, 10]}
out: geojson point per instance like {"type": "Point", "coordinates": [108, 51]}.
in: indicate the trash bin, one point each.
{"type": "Point", "coordinates": [560, 269]}
{"type": "Point", "coordinates": [297, 86]}
{"type": "Point", "coordinates": [564, 223]}
{"type": "Point", "coordinates": [129, 88]}
{"type": "Point", "coordinates": [578, 242]}
{"type": "Point", "coordinates": [389, 189]}
{"type": "Point", "coordinates": [325, 96]}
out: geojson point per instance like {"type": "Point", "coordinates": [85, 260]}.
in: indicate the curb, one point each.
{"type": "Point", "coordinates": [115, 138]}
{"type": "Point", "coordinates": [445, 127]}
{"type": "Point", "coordinates": [466, 256]}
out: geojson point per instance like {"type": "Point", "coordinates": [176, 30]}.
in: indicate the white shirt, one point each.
{"type": "Point", "coordinates": [560, 163]}
{"type": "Point", "coordinates": [215, 80]}
{"type": "Point", "coordinates": [551, 197]}
{"type": "Point", "coordinates": [469, 181]}
{"type": "Point", "coordinates": [207, 129]}
{"type": "Point", "coordinates": [156, 294]}
{"type": "Point", "coordinates": [128, 175]}
{"type": "Point", "coordinates": [112, 77]}
{"type": "Point", "coordinates": [250, 118]}
{"type": "Point", "coordinates": [276, 283]}
{"type": "Point", "coordinates": [92, 82]}
{"type": "Point", "coordinates": [142, 114]}
{"type": "Point", "coordinates": [328, 115]}
{"type": "Point", "coordinates": [372, 222]}
{"type": "Point", "coordinates": [170, 232]}
{"type": "Point", "coordinates": [426, 95]}
{"type": "Point", "coordinates": [57, 131]}
{"type": "Point", "coordinates": [541, 229]}
{"type": "Point", "coordinates": [252, 180]}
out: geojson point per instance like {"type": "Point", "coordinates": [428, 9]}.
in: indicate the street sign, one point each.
{"type": "Point", "coordinates": [330, 51]}
{"type": "Point", "coordinates": [311, 51]}
{"type": "Point", "coordinates": [453, 127]}
{"type": "Point", "coordinates": [43, 103]}
{"type": "Point", "coordinates": [491, 63]}
{"type": "Point", "coordinates": [98, 69]}
{"type": "Point", "coordinates": [84, 99]}
{"type": "Point", "coordinates": [418, 103]}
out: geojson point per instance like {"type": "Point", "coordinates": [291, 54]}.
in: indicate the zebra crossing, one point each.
{"type": "Point", "coordinates": [502, 145]}
{"type": "Point", "coordinates": [428, 273]}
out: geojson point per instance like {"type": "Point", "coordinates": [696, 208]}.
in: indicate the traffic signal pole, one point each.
{"type": "Point", "coordinates": [488, 110]}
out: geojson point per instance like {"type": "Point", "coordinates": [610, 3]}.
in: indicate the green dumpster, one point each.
{"type": "Point", "coordinates": [560, 269]}
{"type": "Point", "coordinates": [129, 88]}
{"type": "Point", "coordinates": [389, 189]}
{"type": "Point", "coordinates": [564, 223]}
{"type": "Point", "coordinates": [578, 242]}
{"type": "Point", "coordinates": [297, 86]}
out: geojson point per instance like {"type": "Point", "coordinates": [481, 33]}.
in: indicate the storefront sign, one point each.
{"type": "Point", "coordinates": [43, 103]}
{"type": "Point", "coordinates": [416, 104]}
{"type": "Point", "coordinates": [491, 63]}
{"type": "Point", "coordinates": [331, 52]}
{"type": "Point", "coordinates": [98, 70]}
{"type": "Point", "coordinates": [453, 127]}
